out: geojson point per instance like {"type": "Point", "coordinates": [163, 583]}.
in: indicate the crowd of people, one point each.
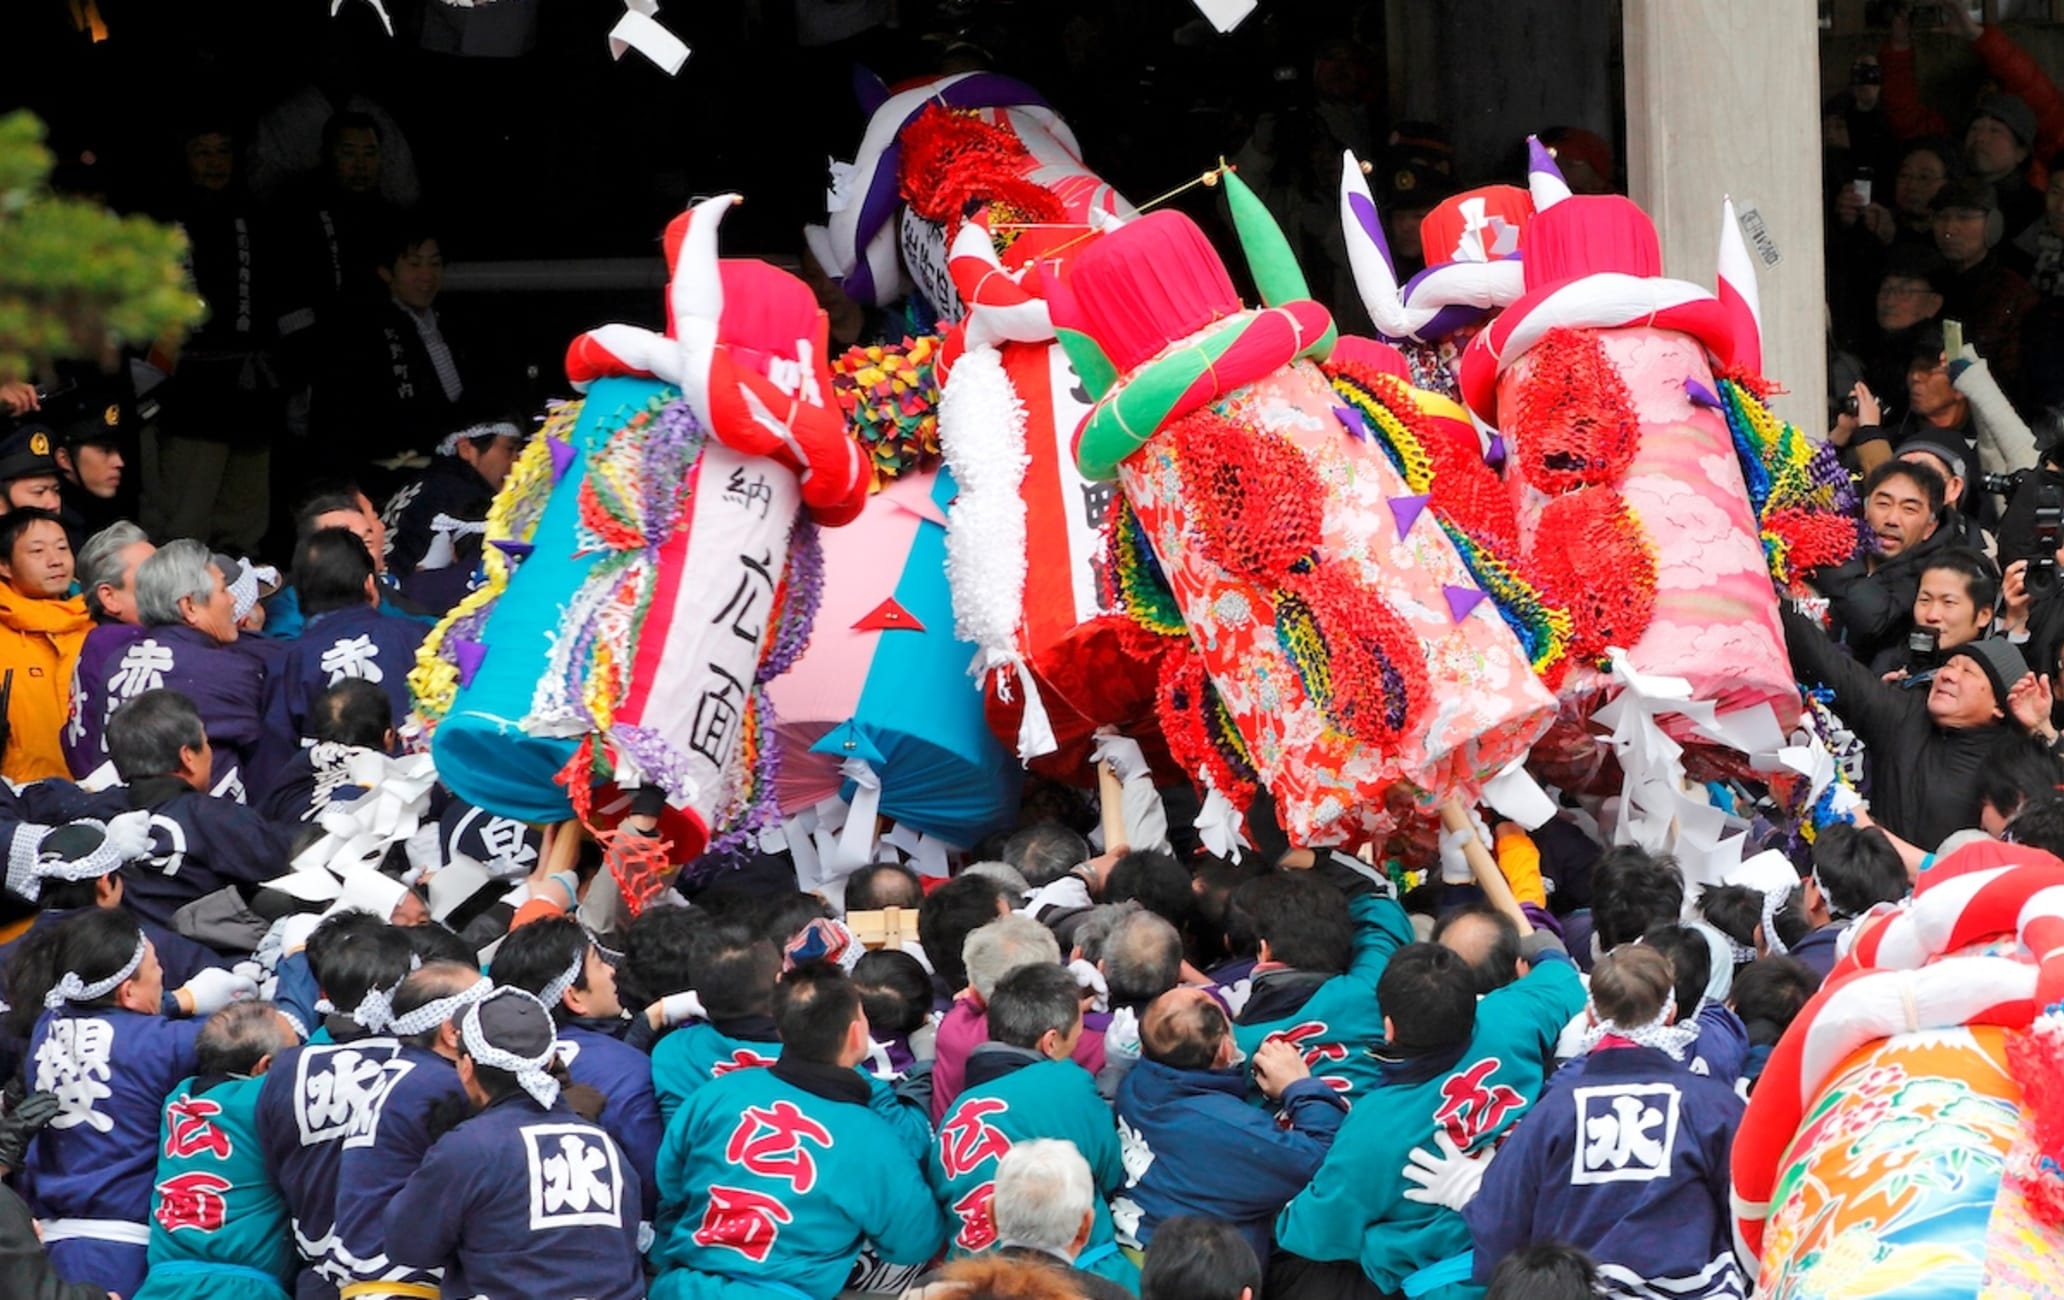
{"type": "Point", "coordinates": [1079, 1066]}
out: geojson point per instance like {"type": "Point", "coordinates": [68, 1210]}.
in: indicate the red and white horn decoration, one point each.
{"type": "Point", "coordinates": [982, 426]}
{"type": "Point", "coordinates": [790, 418]}
{"type": "Point", "coordinates": [1737, 286]}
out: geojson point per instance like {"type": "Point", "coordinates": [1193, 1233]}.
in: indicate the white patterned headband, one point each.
{"type": "Point", "coordinates": [529, 1070]}
{"type": "Point", "coordinates": [126, 839]}
{"type": "Point", "coordinates": [1659, 1033]}
{"type": "Point", "coordinates": [375, 1010]}
{"type": "Point", "coordinates": [1773, 903]}
{"type": "Point", "coordinates": [70, 988]}
{"type": "Point", "coordinates": [551, 993]}
{"type": "Point", "coordinates": [432, 1014]}
{"type": "Point", "coordinates": [485, 429]}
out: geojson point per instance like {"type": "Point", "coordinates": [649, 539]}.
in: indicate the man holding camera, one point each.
{"type": "Point", "coordinates": [1959, 591]}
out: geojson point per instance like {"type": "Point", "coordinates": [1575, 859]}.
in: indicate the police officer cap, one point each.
{"type": "Point", "coordinates": [28, 453]}
{"type": "Point", "coordinates": [90, 417]}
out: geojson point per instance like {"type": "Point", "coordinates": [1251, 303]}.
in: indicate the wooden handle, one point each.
{"type": "Point", "coordinates": [1111, 798]}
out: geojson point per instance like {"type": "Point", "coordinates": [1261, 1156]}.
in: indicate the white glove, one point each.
{"type": "Point", "coordinates": [213, 989]}
{"type": "Point", "coordinates": [678, 1008]}
{"type": "Point", "coordinates": [1448, 1179]}
{"type": "Point", "coordinates": [1454, 865]}
{"type": "Point", "coordinates": [1122, 753]}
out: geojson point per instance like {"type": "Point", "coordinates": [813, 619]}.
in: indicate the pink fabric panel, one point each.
{"type": "Point", "coordinates": [1487, 709]}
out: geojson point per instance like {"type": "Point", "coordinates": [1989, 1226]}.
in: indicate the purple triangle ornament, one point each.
{"type": "Point", "coordinates": [562, 457]}
{"type": "Point", "coordinates": [1701, 395]}
{"type": "Point", "coordinates": [469, 656]}
{"type": "Point", "coordinates": [513, 549]}
{"type": "Point", "coordinates": [1406, 510]}
{"type": "Point", "coordinates": [1353, 421]}
{"type": "Point", "coordinates": [1461, 600]}
{"type": "Point", "coordinates": [1494, 455]}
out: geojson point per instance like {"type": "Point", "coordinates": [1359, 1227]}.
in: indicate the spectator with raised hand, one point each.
{"type": "Point", "coordinates": [2023, 121]}
{"type": "Point", "coordinates": [1979, 289]}
{"type": "Point", "coordinates": [1925, 748]}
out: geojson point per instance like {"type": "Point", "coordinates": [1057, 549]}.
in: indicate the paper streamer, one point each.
{"type": "Point", "coordinates": [639, 30]}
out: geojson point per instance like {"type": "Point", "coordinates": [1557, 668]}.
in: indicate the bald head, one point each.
{"type": "Point", "coordinates": [1186, 1029]}
{"type": "Point", "coordinates": [1486, 939]}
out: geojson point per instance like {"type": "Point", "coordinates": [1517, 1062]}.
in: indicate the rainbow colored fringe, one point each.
{"type": "Point", "coordinates": [512, 518]}
{"type": "Point", "coordinates": [1141, 590]}
{"type": "Point", "coordinates": [1805, 502]}
{"type": "Point", "coordinates": [638, 491]}
{"type": "Point", "coordinates": [1543, 629]}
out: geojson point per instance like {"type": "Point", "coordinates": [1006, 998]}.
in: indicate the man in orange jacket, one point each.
{"type": "Point", "coordinates": [41, 630]}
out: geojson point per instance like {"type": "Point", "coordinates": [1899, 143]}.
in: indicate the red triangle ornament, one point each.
{"type": "Point", "coordinates": [888, 617]}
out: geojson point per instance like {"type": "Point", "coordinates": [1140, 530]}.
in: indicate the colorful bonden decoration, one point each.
{"type": "Point", "coordinates": [662, 572]}
{"type": "Point", "coordinates": [1329, 620]}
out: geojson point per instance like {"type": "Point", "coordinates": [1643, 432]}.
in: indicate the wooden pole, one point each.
{"type": "Point", "coordinates": [1723, 98]}
{"type": "Point", "coordinates": [1497, 890]}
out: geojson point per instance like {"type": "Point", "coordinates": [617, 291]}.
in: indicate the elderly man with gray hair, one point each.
{"type": "Point", "coordinates": [1043, 1206]}
{"type": "Point", "coordinates": [991, 952]}
{"type": "Point", "coordinates": [186, 643]}
{"type": "Point", "coordinates": [106, 569]}
{"type": "Point", "coordinates": [1139, 960]}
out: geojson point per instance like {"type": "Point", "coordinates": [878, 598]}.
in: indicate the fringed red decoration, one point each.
{"type": "Point", "coordinates": [2036, 1060]}
{"type": "Point", "coordinates": [1467, 493]}
{"type": "Point", "coordinates": [953, 160]}
{"type": "Point", "coordinates": [641, 866]}
{"type": "Point", "coordinates": [1256, 504]}
{"type": "Point", "coordinates": [1597, 561]}
{"type": "Point", "coordinates": [1573, 416]}
{"type": "Point", "coordinates": [1762, 387]}
{"type": "Point", "coordinates": [1200, 733]}
{"type": "Point", "coordinates": [1358, 658]}
{"type": "Point", "coordinates": [1811, 539]}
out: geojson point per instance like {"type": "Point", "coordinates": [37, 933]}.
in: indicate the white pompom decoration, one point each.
{"type": "Point", "coordinates": [982, 433]}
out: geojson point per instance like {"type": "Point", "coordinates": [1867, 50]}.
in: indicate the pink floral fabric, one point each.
{"type": "Point", "coordinates": [1487, 706]}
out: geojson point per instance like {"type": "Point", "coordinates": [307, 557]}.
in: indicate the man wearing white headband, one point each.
{"type": "Point", "coordinates": [403, 1123]}
{"type": "Point", "coordinates": [438, 522]}
{"type": "Point", "coordinates": [1628, 1156]}
{"type": "Point", "coordinates": [557, 960]}
{"type": "Point", "coordinates": [325, 1095]}
{"type": "Point", "coordinates": [93, 990]}
{"type": "Point", "coordinates": [525, 1198]}
{"type": "Point", "coordinates": [79, 866]}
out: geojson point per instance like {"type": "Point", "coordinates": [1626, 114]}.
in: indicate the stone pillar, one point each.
{"type": "Point", "coordinates": [1723, 98]}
